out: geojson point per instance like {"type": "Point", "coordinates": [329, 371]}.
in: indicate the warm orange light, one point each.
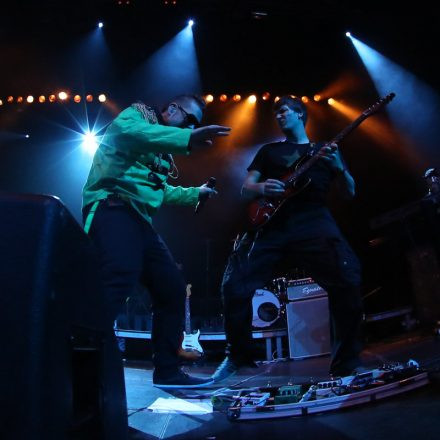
{"type": "Point", "coordinates": [10, 99]}
{"type": "Point", "coordinates": [304, 99]}
{"type": "Point", "coordinates": [252, 99]}
{"type": "Point", "coordinates": [62, 96]}
{"type": "Point", "coordinates": [102, 97]}
{"type": "Point", "coordinates": [223, 98]}
{"type": "Point", "coordinates": [277, 98]}
{"type": "Point", "coordinates": [331, 101]}
{"type": "Point", "coordinates": [293, 96]}
{"type": "Point", "coordinates": [42, 98]}
{"type": "Point", "coordinates": [30, 99]}
{"type": "Point", "coordinates": [52, 98]}
{"type": "Point", "coordinates": [317, 98]}
{"type": "Point", "coordinates": [1, 102]}
{"type": "Point", "coordinates": [20, 99]}
{"type": "Point", "coordinates": [266, 96]}
{"type": "Point", "coordinates": [77, 98]}
{"type": "Point", "coordinates": [209, 98]}
{"type": "Point", "coordinates": [236, 98]}
{"type": "Point", "coordinates": [89, 98]}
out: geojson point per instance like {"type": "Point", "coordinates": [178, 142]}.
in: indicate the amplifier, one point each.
{"type": "Point", "coordinates": [303, 288]}
{"type": "Point", "coordinates": [308, 327]}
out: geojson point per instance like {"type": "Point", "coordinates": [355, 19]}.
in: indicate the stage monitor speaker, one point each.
{"type": "Point", "coordinates": [61, 373]}
{"type": "Point", "coordinates": [308, 327]}
{"type": "Point", "coordinates": [424, 272]}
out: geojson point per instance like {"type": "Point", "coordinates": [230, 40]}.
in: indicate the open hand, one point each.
{"type": "Point", "coordinates": [203, 136]}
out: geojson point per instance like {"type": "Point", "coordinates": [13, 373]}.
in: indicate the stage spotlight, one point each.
{"type": "Point", "coordinates": [293, 96]}
{"type": "Point", "coordinates": [252, 99]}
{"type": "Point", "coordinates": [20, 99]}
{"type": "Point", "coordinates": [236, 98]}
{"type": "Point", "coordinates": [348, 34]}
{"type": "Point", "coordinates": [209, 98]}
{"type": "Point", "coordinates": [89, 143]}
{"type": "Point", "coordinates": [62, 96]}
{"type": "Point", "coordinates": [277, 98]}
{"type": "Point", "coordinates": [1, 102]}
{"type": "Point", "coordinates": [52, 98]}
{"type": "Point", "coordinates": [304, 99]}
{"type": "Point", "coordinates": [100, 24]}
{"type": "Point", "coordinates": [331, 101]}
{"type": "Point", "coordinates": [265, 96]}
{"type": "Point", "coordinates": [41, 98]}
{"type": "Point", "coordinates": [30, 99]}
{"type": "Point", "coordinates": [27, 136]}
{"type": "Point", "coordinates": [102, 97]}
{"type": "Point", "coordinates": [77, 99]}
{"type": "Point", "coordinates": [89, 98]}
{"type": "Point", "coordinates": [10, 99]}
{"type": "Point", "coordinates": [223, 98]}
{"type": "Point", "coordinates": [317, 98]}
{"type": "Point", "coordinates": [190, 23]}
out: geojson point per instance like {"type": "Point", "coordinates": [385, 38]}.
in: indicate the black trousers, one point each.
{"type": "Point", "coordinates": [131, 251]}
{"type": "Point", "coordinates": [313, 242]}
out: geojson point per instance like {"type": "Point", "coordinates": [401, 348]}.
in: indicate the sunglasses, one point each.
{"type": "Point", "coordinates": [189, 118]}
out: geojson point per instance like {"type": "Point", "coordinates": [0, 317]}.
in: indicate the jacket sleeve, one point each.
{"type": "Point", "coordinates": [130, 131]}
{"type": "Point", "coordinates": [178, 195]}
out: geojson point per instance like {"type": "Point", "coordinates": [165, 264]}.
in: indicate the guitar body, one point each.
{"type": "Point", "coordinates": [263, 209]}
{"type": "Point", "coordinates": [190, 347]}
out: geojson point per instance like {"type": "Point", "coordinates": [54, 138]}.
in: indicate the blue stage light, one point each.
{"type": "Point", "coordinates": [100, 24]}
{"type": "Point", "coordinates": [190, 22]}
{"type": "Point", "coordinates": [89, 142]}
{"type": "Point", "coordinates": [348, 34]}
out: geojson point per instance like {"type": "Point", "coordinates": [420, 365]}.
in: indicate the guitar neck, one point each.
{"type": "Point", "coordinates": [187, 316]}
{"type": "Point", "coordinates": [338, 138]}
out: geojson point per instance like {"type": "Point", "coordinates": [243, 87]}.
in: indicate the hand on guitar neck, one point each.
{"type": "Point", "coordinates": [190, 347]}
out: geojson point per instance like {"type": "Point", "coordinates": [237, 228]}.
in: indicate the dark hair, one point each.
{"type": "Point", "coordinates": [294, 104]}
{"type": "Point", "coordinates": [183, 99]}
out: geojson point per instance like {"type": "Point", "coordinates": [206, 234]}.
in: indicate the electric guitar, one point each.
{"type": "Point", "coordinates": [190, 348]}
{"type": "Point", "coordinates": [263, 209]}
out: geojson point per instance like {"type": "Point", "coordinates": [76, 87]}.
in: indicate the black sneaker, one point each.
{"type": "Point", "coordinates": [181, 380]}
{"type": "Point", "coordinates": [226, 369]}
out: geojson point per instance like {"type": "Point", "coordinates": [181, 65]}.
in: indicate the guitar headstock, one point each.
{"type": "Point", "coordinates": [378, 105]}
{"type": "Point", "coordinates": [188, 290]}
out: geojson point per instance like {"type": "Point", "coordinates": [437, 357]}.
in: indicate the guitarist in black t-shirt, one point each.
{"type": "Point", "coordinates": [302, 231]}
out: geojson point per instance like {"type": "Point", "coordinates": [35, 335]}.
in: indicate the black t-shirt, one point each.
{"type": "Point", "coordinates": [273, 161]}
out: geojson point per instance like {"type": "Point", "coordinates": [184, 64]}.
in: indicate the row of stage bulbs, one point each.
{"type": "Point", "coordinates": [254, 98]}
{"type": "Point", "coordinates": [61, 96]}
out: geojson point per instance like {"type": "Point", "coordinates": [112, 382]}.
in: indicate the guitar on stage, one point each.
{"type": "Point", "coordinates": [190, 347]}
{"type": "Point", "coordinates": [263, 209]}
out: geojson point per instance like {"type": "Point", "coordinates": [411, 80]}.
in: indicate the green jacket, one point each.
{"type": "Point", "coordinates": [129, 163]}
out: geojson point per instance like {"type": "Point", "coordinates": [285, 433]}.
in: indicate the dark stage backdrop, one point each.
{"type": "Point", "coordinates": [298, 47]}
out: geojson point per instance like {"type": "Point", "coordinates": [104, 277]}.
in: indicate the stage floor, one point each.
{"type": "Point", "coordinates": [408, 416]}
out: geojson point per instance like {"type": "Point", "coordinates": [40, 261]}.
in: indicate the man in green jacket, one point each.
{"type": "Point", "coordinates": [127, 184]}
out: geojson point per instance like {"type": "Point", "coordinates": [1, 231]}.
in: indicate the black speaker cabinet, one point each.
{"type": "Point", "coordinates": [61, 372]}
{"type": "Point", "coordinates": [424, 271]}
{"type": "Point", "coordinates": [308, 327]}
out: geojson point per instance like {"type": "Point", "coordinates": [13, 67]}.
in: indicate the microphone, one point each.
{"type": "Point", "coordinates": [202, 200]}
